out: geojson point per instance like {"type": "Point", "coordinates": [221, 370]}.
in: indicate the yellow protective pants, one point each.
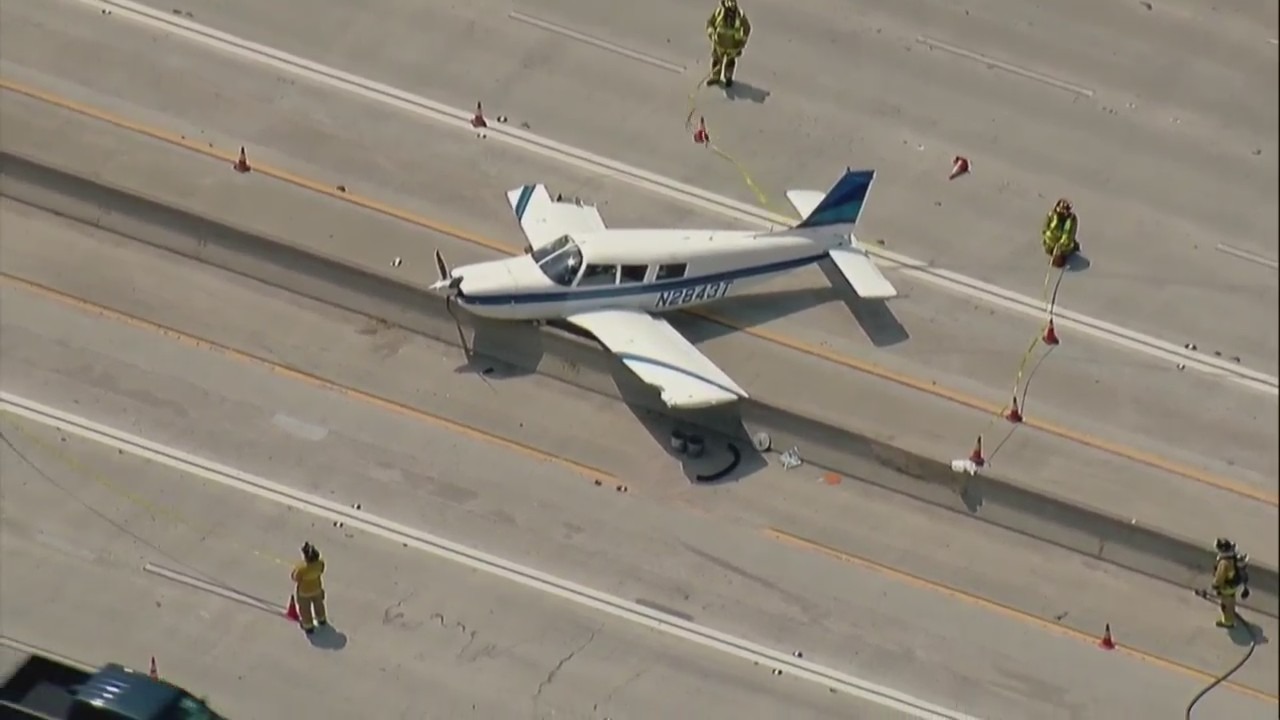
{"type": "Point", "coordinates": [1227, 604]}
{"type": "Point", "coordinates": [311, 610]}
{"type": "Point", "coordinates": [1058, 245]}
{"type": "Point", "coordinates": [723, 62]}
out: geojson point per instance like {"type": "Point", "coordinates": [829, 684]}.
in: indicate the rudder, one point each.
{"type": "Point", "coordinates": [843, 203]}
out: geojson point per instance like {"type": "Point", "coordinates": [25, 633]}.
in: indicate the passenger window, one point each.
{"type": "Point", "coordinates": [633, 273]}
{"type": "Point", "coordinates": [671, 272]}
{"type": "Point", "coordinates": [596, 275]}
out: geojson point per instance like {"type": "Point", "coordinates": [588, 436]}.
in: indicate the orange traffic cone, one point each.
{"type": "Point", "coordinates": [291, 612]}
{"type": "Point", "coordinates": [1014, 415]}
{"type": "Point", "coordinates": [1050, 334]}
{"type": "Point", "coordinates": [701, 136]}
{"type": "Point", "coordinates": [242, 163]}
{"type": "Point", "coordinates": [1107, 643]}
{"type": "Point", "coordinates": [975, 457]}
{"type": "Point", "coordinates": [477, 120]}
{"type": "Point", "coordinates": [154, 673]}
{"type": "Point", "coordinates": [959, 167]}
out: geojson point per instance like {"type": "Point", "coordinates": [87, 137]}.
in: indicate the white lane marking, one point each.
{"type": "Point", "coordinates": [1246, 255]}
{"type": "Point", "coordinates": [1002, 65]}
{"type": "Point", "coordinates": [477, 560]}
{"type": "Point", "coordinates": [727, 207]}
{"type": "Point", "coordinates": [595, 41]}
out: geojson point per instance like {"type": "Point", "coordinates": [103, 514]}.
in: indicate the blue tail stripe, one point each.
{"type": "Point", "coordinates": [522, 203]}
{"type": "Point", "coordinates": [843, 203]}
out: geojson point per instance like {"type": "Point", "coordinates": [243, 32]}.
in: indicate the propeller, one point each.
{"type": "Point", "coordinates": [446, 281]}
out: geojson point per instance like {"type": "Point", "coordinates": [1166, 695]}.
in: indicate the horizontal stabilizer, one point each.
{"type": "Point", "coordinates": [544, 219]}
{"type": "Point", "coordinates": [841, 205]}
{"type": "Point", "coordinates": [805, 201]}
{"type": "Point", "coordinates": [860, 271]}
{"type": "Point", "coordinates": [659, 355]}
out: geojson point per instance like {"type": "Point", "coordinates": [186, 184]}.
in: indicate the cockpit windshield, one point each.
{"type": "Point", "coordinates": [560, 260]}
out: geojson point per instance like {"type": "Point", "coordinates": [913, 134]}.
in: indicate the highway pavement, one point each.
{"type": "Point", "coordinates": [863, 582]}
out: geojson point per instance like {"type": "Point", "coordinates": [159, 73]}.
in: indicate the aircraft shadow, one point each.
{"type": "Point", "coordinates": [727, 453]}
{"type": "Point", "coordinates": [498, 350]}
{"type": "Point", "coordinates": [874, 317]}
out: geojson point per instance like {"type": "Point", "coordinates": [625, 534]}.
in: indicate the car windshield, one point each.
{"type": "Point", "coordinates": [560, 261]}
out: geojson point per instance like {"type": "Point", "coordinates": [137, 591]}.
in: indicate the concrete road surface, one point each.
{"type": "Point", "coordinates": [905, 596]}
{"type": "Point", "coordinates": [1203, 434]}
{"type": "Point", "coordinates": [1166, 154]}
{"type": "Point", "coordinates": [411, 636]}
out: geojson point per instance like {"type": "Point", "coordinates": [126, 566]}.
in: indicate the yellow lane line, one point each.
{"type": "Point", "coordinates": [591, 473]}
{"type": "Point", "coordinates": [586, 470]}
{"type": "Point", "coordinates": [924, 386]}
{"type": "Point", "coordinates": [1005, 610]}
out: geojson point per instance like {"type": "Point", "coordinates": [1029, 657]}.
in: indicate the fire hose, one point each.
{"type": "Point", "coordinates": [1253, 645]}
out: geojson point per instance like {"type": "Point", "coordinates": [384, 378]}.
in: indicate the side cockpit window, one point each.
{"type": "Point", "coordinates": [598, 275]}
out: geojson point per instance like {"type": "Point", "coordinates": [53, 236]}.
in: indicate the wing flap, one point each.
{"type": "Point", "coordinates": [659, 355]}
{"type": "Point", "coordinates": [860, 271]}
{"type": "Point", "coordinates": [543, 219]}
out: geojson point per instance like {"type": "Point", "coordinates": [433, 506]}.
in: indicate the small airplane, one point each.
{"type": "Point", "coordinates": [611, 282]}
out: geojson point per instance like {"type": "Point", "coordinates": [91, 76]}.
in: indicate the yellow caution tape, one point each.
{"type": "Point", "coordinates": [742, 170]}
{"type": "Point", "coordinates": [1049, 292]}
{"type": "Point", "coordinates": [1022, 379]}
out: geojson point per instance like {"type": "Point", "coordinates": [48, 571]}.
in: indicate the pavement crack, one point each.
{"type": "Point", "coordinates": [551, 676]}
{"type": "Point", "coordinates": [392, 614]}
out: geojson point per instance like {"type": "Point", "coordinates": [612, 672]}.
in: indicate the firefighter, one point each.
{"type": "Point", "coordinates": [728, 30]}
{"type": "Point", "coordinates": [1059, 233]}
{"type": "Point", "coordinates": [309, 589]}
{"type": "Point", "coordinates": [1230, 575]}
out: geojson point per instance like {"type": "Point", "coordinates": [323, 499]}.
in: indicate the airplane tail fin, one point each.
{"type": "Point", "coordinates": [841, 205]}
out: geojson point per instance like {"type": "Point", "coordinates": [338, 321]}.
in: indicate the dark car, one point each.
{"type": "Point", "coordinates": [49, 690]}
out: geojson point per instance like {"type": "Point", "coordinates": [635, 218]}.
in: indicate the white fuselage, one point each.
{"type": "Point", "coordinates": [637, 269]}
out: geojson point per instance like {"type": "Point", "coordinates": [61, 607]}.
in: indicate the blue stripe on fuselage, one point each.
{"type": "Point", "coordinates": [621, 291]}
{"type": "Point", "coordinates": [522, 203]}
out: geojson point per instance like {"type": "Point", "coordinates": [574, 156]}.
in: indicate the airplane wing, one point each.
{"type": "Point", "coordinates": [544, 219]}
{"type": "Point", "coordinates": [860, 271]}
{"type": "Point", "coordinates": [659, 355]}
